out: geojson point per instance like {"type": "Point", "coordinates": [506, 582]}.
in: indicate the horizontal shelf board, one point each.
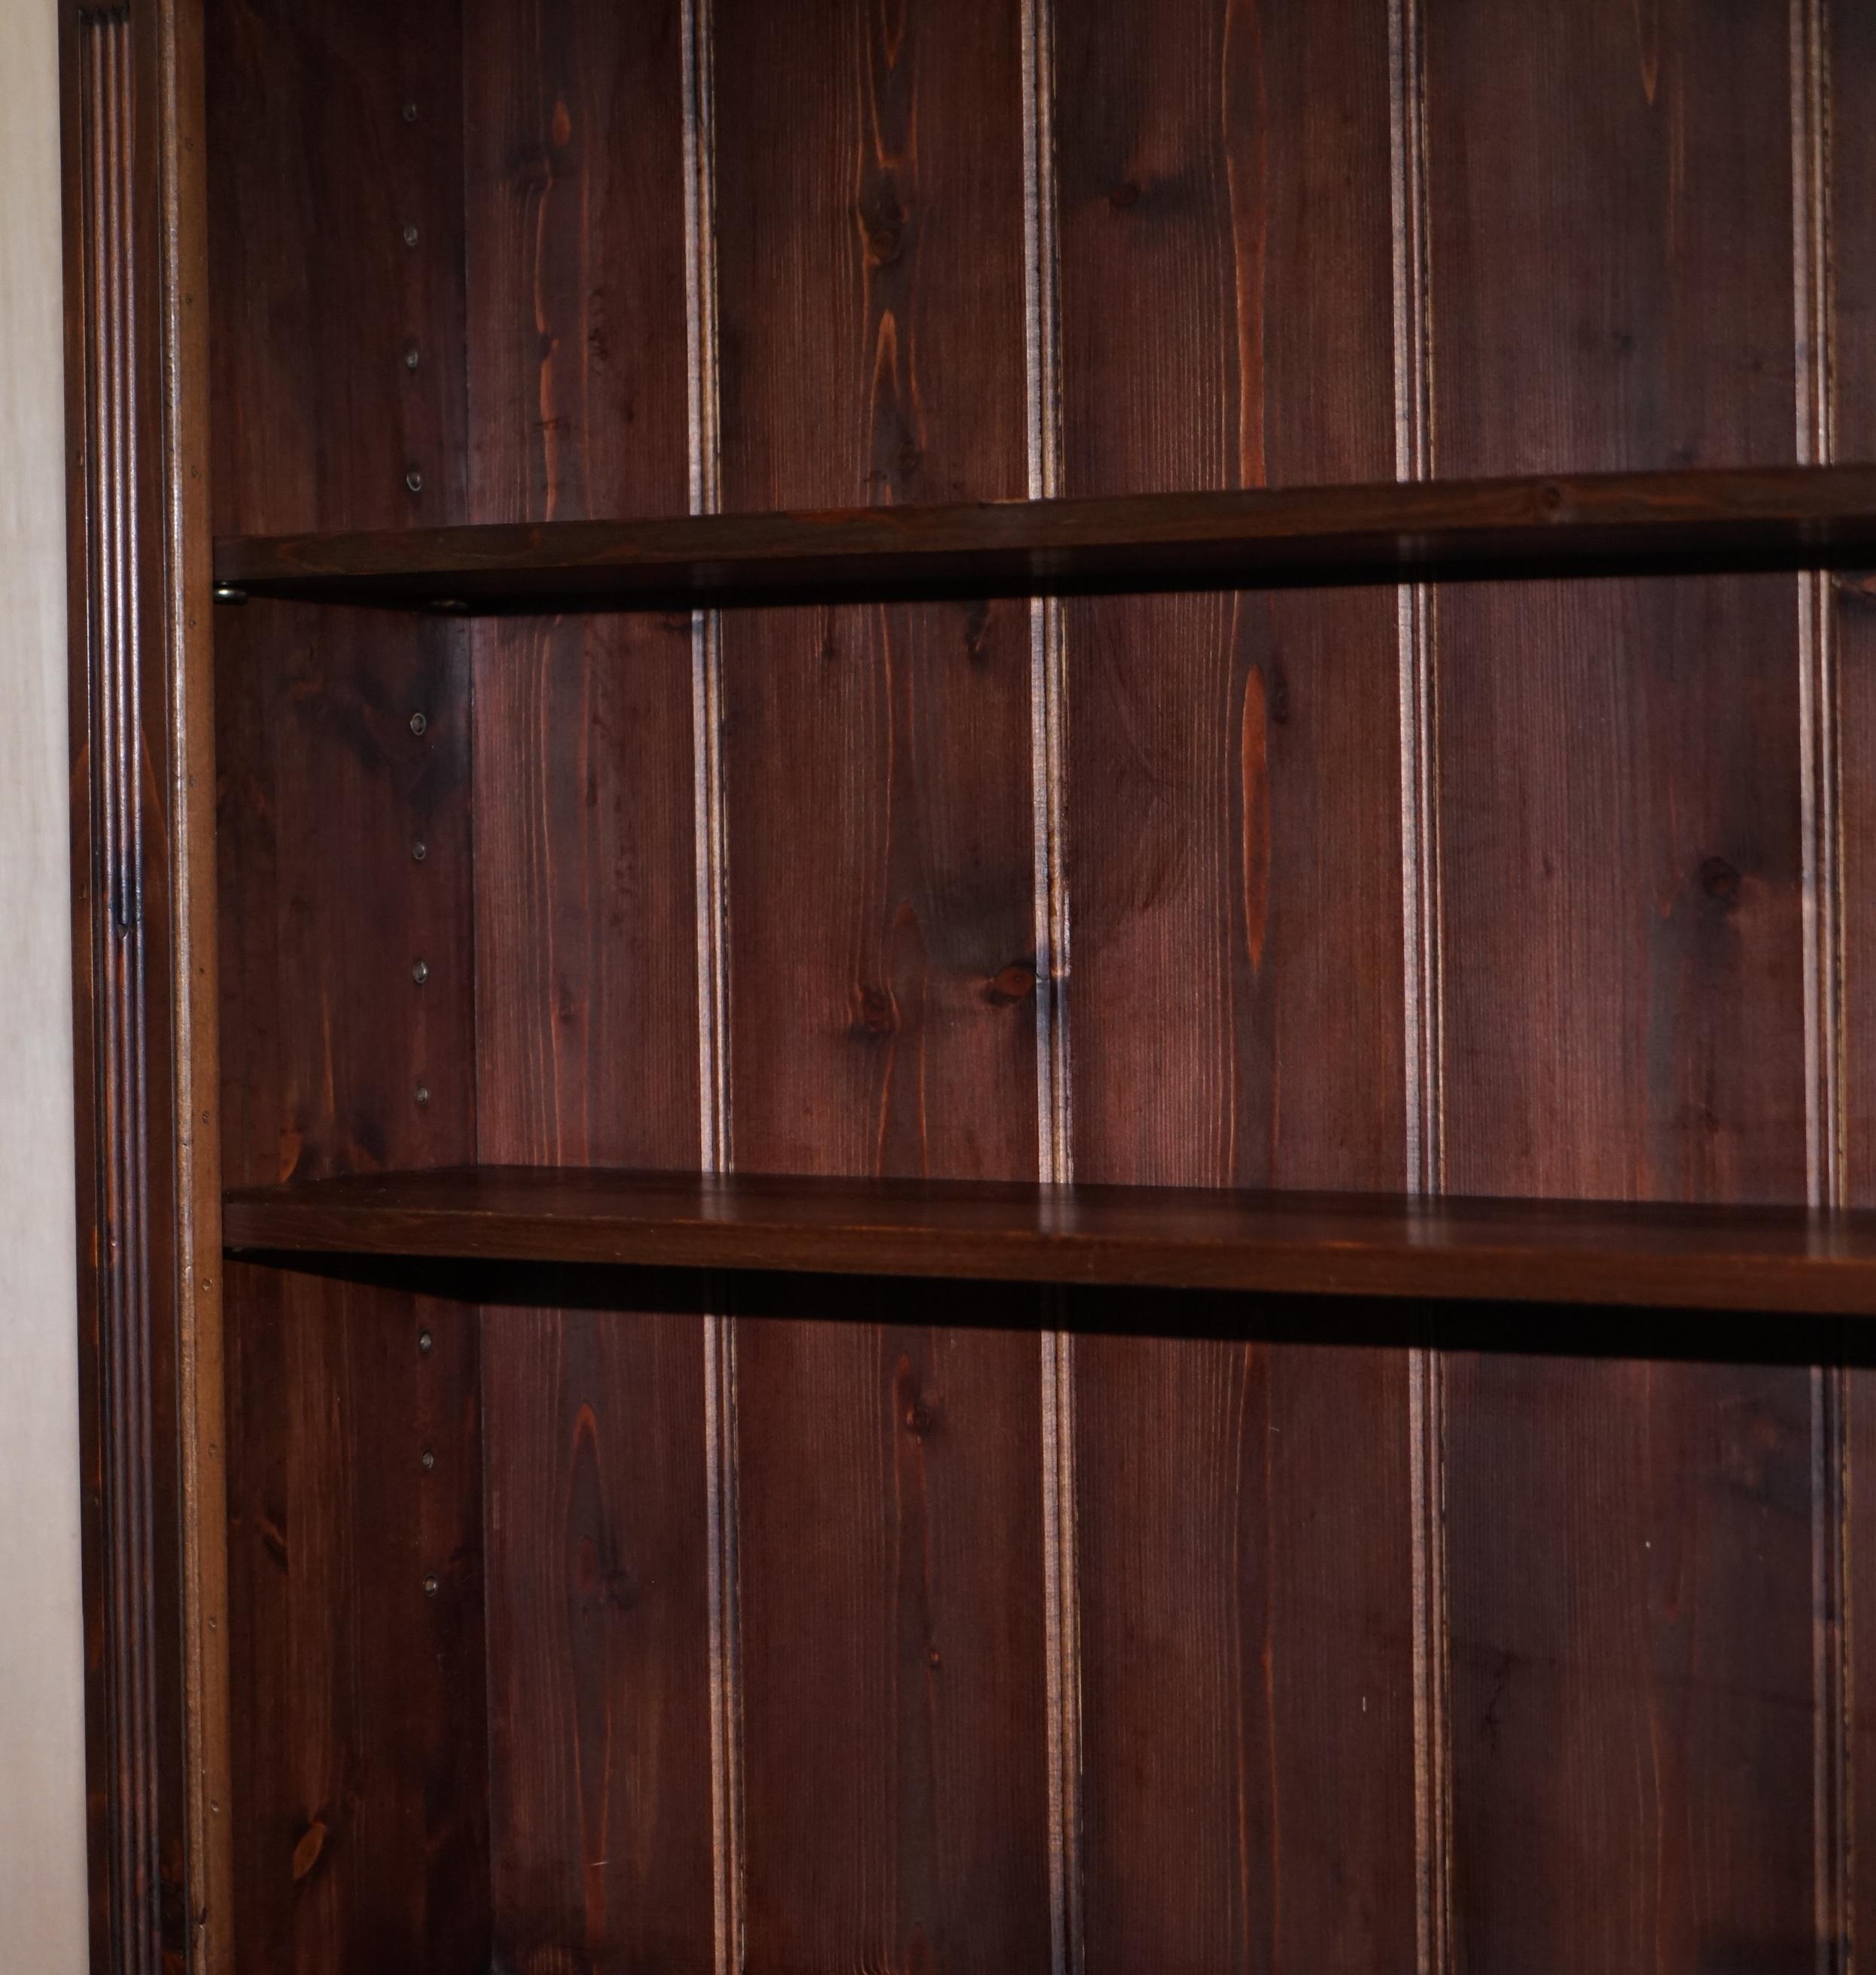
{"type": "Point", "coordinates": [1760, 518]}
{"type": "Point", "coordinates": [1350, 1245]}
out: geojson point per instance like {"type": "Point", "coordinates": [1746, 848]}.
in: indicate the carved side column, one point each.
{"type": "Point", "coordinates": [143, 825]}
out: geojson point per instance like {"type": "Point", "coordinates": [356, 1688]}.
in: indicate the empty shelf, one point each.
{"type": "Point", "coordinates": [1763, 518]}
{"type": "Point", "coordinates": [1769, 1259]}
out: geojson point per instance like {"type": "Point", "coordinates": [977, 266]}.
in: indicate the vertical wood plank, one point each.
{"type": "Point", "coordinates": [1845, 87]}
{"type": "Point", "coordinates": [1852, 48]}
{"type": "Point", "coordinates": [1233, 865]}
{"type": "Point", "coordinates": [1820, 786]}
{"type": "Point", "coordinates": [870, 243]}
{"type": "Point", "coordinates": [587, 1047]}
{"type": "Point", "coordinates": [1631, 1543]}
{"type": "Point", "coordinates": [148, 1326]}
{"type": "Point", "coordinates": [359, 1722]}
{"type": "Point", "coordinates": [337, 243]}
{"type": "Point", "coordinates": [361, 1803]}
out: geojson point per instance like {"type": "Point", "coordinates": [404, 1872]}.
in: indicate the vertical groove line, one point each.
{"type": "Point", "coordinates": [106, 147]}
{"type": "Point", "coordinates": [1817, 676]}
{"type": "Point", "coordinates": [125, 1844]}
{"type": "Point", "coordinates": [1826, 1182]}
{"type": "Point", "coordinates": [186, 673]}
{"type": "Point", "coordinates": [1048, 718]}
{"type": "Point", "coordinates": [200, 1399]}
{"type": "Point", "coordinates": [136, 1308]}
{"type": "Point", "coordinates": [1421, 983]}
{"type": "Point", "coordinates": [712, 923]}
{"type": "Point", "coordinates": [1412, 358]}
{"type": "Point", "coordinates": [104, 860]}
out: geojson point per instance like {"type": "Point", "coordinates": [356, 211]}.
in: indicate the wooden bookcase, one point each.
{"type": "Point", "coordinates": [972, 943]}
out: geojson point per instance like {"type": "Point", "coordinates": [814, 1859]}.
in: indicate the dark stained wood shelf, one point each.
{"type": "Point", "coordinates": [1761, 519]}
{"type": "Point", "coordinates": [1352, 1244]}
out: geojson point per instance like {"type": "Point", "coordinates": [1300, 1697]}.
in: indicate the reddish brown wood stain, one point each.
{"type": "Point", "coordinates": [1235, 1008]}
{"type": "Point", "coordinates": [586, 991]}
{"type": "Point", "coordinates": [1845, 1475]}
{"type": "Point", "coordinates": [449, 286]}
{"type": "Point", "coordinates": [1620, 870]}
{"type": "Point", "coordinates": [877, 765]}
{"type": "Point", "coordinates": [358, 1700]}
{"type": "Point", "coordinates": [1702, 1261]}
{"type": "Point", "coordinates": [1673, 520]}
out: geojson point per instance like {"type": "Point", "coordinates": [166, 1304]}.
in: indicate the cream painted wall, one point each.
{"type": "Point", "coordinates": [42, 1885]}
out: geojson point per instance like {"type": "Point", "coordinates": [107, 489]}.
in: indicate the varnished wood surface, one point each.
{"type": "Point", "coordinates": [143, 772]}
{"type": "Point", "coordinates": [1682, 1257]}
{"type": "Point", "coordinates": [360, 1797]}
{"type": "Point", "coordinates": [1847, 1796]}
{"type": "Point", "coordinates": [602, 1777]}
{"type": "Point", "coordinates": [1232, 859]}
{"type": "Point", "coordinates": [1329, 1717]}
{"type": "Point", "coordinates": [1551, 524]}
{"type": "Point", "coordinates": [881, 1017]}
{"type": "Point", "coordinates": [1632, 1624]}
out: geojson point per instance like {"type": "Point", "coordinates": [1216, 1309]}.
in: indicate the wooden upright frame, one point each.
{"type": "Point", "coordinates": [143, 953]}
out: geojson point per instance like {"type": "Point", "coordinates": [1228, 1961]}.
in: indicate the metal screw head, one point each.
{"type": "Point", "coordinates": [413, 357]}
{"type": "Point", "coordinates": [419, 725]}
{"type": "Point", "coordinates": [411, 112]}
{"type": "Point", "coordinates": [410, 236]}
{"type": "Point", "coordinates": [414, 481]}
{"type": "Point", "coordinates": [426, 1343]}
{"type": "Point", "coordinates": [429, 1460]}
{"type": "Point", "coordinates": [430, 1584]}
{"type": "Point", "coordinates": [419, 972]}
{"type": "Point", "coordinates": [423, 1093]}
{"type": "Point", "coordinates": [419, 850]}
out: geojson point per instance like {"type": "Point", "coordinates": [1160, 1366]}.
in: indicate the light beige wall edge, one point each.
{"type": "Point", "coordinates": [42, 1882]}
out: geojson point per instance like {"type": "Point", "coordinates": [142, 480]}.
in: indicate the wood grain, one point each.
{"type": "Point", "coordinates": [361, 1792]}
{"type": "Point", "coordinates": [881, 966]}
{"type": "Point", "coordinates": [1235, 1006]}
{"type": "Point", "coordinates": [586, 992]}
{"type": "Point", "coordinates": [142, 1035]}
{"type": "Point", "coordinates": [1846, 836]}
{"type": "Point", "coordinates": [1630, 1545]}
{"type": "Point", "coordinates": [450, 353]}
{"type": "Point", "coordinates": [1851, 608]}
{"type": "Point", "coordinates": [1671, 1257]}
{"type": "Point", "coordinates": [1766, 517]}
{"type": "Point", "coordinates": [344, 1718]}
{"type": "Point", "coordinates": [311, 145]}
